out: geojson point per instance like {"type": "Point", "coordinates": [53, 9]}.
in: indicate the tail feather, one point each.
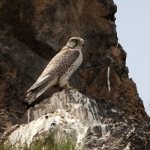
{"type": "Point", "coordinates": [33, 95]}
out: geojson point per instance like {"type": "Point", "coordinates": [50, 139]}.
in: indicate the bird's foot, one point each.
{"type": "Point", "coordinates": [77, 89]}
{"type": "Point", "coordinates": [67, 86]}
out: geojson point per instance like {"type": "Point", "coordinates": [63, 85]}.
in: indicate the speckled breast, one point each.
{"type": "Point", "coordinates": [72, 69]}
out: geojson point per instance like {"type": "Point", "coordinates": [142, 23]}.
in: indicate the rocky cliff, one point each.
{"type": "Point", "coordinates": [103, 110]}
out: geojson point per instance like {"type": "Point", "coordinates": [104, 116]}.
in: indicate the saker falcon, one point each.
{"type": "Point", "coordinates": [59, 69]}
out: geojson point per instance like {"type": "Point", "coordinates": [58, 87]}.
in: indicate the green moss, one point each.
{"type": "Point", "coordinates": [1, 146]}
{"type": "Point", "coordinates": [49, 143]}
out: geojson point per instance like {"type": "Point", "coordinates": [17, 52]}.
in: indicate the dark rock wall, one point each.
{"type": "Point", "coordinates": [19, 67]}
{"type": "Point", "coordinates": [32, 32]}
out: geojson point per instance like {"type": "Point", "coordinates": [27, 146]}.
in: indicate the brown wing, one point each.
{"type": "Point", "coordinates": [56, 67]}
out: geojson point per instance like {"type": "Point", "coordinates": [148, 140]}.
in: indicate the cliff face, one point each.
{"type": "Point", "coordinates": [31, 33]}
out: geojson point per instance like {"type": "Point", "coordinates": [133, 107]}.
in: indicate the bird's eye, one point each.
{"type": "Point", "coordinates": [75, 41]}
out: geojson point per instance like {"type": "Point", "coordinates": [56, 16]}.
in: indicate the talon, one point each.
{"type": "Point", "coordinates": [67, 86]}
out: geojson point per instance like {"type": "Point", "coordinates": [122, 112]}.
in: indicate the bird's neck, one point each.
{"type": "Point", "coordinates": [76, 48]}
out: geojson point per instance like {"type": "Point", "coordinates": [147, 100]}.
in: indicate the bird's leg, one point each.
{"type": "Point", "coordinates": [67, 86]}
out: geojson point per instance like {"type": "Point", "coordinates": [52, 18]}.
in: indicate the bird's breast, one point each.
{"type": "Point", "coordinates": [77, 63]}
{"type": "Point", "coordinates": [73, 67]}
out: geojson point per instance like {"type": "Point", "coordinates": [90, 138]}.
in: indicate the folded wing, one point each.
{"type": "Point", "coordinates": [52, 73]}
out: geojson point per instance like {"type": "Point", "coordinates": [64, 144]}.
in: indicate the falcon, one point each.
{"type": "Point", "coordinates": [59, 69]}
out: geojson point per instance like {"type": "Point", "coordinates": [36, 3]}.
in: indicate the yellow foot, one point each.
{"type": "Point", "coordinates": [67, 86]}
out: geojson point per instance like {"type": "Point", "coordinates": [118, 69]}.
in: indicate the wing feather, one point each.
{"type": "Point", "coordinates": [61, 62]}
{"type": "Point", "coordinates": [54, 70]}
{"type": "Point", "coordinates": [39, 83]}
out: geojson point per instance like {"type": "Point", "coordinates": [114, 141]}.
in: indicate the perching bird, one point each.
{"type": "Point", "coordinates": [59, 69]}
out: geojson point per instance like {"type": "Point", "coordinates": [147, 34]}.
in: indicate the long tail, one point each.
{"type": "Point", "coordinates": [33, 95]}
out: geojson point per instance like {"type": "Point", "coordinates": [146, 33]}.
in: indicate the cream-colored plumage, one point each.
{"type": "Point", "coordinates": [59, 69]}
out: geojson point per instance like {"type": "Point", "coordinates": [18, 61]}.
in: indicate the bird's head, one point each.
{"type": "Point", "coordinates": [75, 43]}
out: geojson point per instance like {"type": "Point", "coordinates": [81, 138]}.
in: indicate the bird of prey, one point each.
{"type": "Point", "coordinates": [59, 69]}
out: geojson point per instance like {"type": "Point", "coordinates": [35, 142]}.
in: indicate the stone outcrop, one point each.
{"type": "Point", "coordinates": [68, 111]}
{"type": "Point", "coordinates": [31, 33]}
{"type": "Point", "coordinates": [93, 124]}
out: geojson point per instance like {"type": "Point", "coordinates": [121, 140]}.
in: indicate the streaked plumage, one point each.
{"type": "Point", "coordinates": [59, 69]}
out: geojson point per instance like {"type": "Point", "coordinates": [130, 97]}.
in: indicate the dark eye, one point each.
{"type": "Point", "coordinates": [75, 41]}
